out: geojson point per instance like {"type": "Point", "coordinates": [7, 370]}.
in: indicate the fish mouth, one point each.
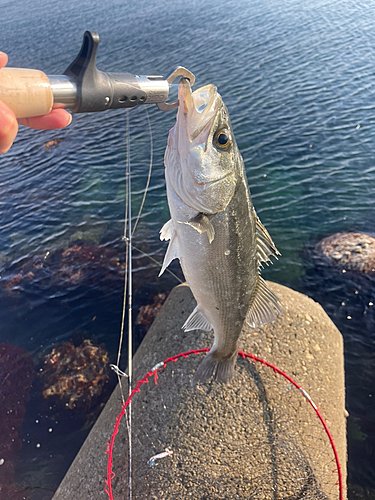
{"type": "Point", "coordinates": [197, 110]}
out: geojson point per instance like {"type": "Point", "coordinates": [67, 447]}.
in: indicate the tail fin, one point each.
{"type": "Point", "coordinates": [222, 369]}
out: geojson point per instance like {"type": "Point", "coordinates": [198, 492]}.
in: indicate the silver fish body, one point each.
{"type": "Point", "coordinates": [214, 230]}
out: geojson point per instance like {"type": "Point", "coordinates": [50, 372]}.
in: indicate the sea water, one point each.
{"type": "Point", "coordinates": [297, 78]}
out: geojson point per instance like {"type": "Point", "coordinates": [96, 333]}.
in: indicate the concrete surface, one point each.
{"type": "Point", "coordinates": [255, 438]}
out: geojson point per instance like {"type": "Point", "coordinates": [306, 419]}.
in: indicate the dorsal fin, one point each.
{"type": "Point", "coordinates": [265, 246]}
{"type": "Point", "coordinates": [264, 307]}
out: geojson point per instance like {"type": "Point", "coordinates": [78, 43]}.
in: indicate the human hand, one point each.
{"type": "Point", "coordinates": [57, 118]}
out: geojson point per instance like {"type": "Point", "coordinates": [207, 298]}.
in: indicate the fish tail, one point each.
{"type": "Point", "coordinates": [225, 369]}
{"type": "Point", "coordinates": [222, 369]}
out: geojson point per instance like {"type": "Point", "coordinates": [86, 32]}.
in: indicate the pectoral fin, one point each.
{"type": "Point", "coordinates": [265, 306]}
{"type": "Point", "coordinates": [202, 224]}
{"type": "Point", "coordinates": [197, 321]}
{"type": "Point", "coordinates": [167, 231]}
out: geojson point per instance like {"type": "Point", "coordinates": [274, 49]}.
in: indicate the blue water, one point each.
{"type": "Point", "coordinates": [297, 78]}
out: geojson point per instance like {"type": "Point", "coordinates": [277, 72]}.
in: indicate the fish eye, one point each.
{"type": "Point", "coordinates": [222, 139]}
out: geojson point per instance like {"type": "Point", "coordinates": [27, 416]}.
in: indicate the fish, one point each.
{"type": "Point", "coordinates": [214, 230]}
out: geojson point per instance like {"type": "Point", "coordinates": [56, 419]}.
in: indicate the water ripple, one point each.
{"type": "Point", "coordinates": [297, 78]}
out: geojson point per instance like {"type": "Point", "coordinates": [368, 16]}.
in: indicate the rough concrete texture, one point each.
{"type": "Point", "coordinates": [255, 438]}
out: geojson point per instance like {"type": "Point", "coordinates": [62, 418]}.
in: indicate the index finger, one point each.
{"type": "Point", "coordinates": [8, 127]}
{"type": "Point", "coordinates": [3, 59]}
{"type": "Point", "coordinates": [57, 118]}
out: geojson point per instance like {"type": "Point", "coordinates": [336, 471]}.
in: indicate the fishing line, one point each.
{"type": "Point", "coordinates": [128, 288]}
{"type": "Point", "coordinates": [127, 141]}
{"type": "Point", "coordinates": [128, 285]}
{"type": "Point", "coordinates": [149, 173]}
{"type": "Point", "coordinates": [130, 306]}
{"type": "Point", "coordinates": [143, 202]}
{"type": "Point", "coordinates": [157, 262]}
{"type": "Point", "coordinates": [126, 239]}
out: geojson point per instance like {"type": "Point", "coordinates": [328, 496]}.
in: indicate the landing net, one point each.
{"type": "Point", "coordinates": [267, 439]}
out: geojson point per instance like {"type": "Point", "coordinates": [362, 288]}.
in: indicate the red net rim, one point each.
{"type": "Point", "coordinates": [162, 365]}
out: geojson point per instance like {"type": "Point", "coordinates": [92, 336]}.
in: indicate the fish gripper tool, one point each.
{"type": "Point", "coordinates": [83, 88]}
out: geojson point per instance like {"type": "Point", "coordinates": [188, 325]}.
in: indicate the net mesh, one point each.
{"type": "Point", "coordinates": [255, 438]}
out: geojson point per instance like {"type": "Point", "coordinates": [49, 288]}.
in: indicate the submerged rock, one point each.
{"type": "Point", "coordinates": [75, 375]}
{"type": "Point", "coordinates": [81, 263]}
{"type": "Point", "coordinates": [148, 313]}
{"type": "Point", "coordinates": [52, 143]}
{"type": "Point", "coordinates": [358, 492]}
{"type": "Point", "coordinates": [16, 374]}
{"type": "Point", "coordinates": [349, 251]}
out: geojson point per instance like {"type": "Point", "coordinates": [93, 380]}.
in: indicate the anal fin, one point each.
{"type": "Point", "coordinates": [265, 306]}
{"type": "Point", "coordinates": [197, 321]}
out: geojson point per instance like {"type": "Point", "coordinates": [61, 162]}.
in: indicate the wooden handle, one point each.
{"type": "Point", "coordinates": [27, 92]}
